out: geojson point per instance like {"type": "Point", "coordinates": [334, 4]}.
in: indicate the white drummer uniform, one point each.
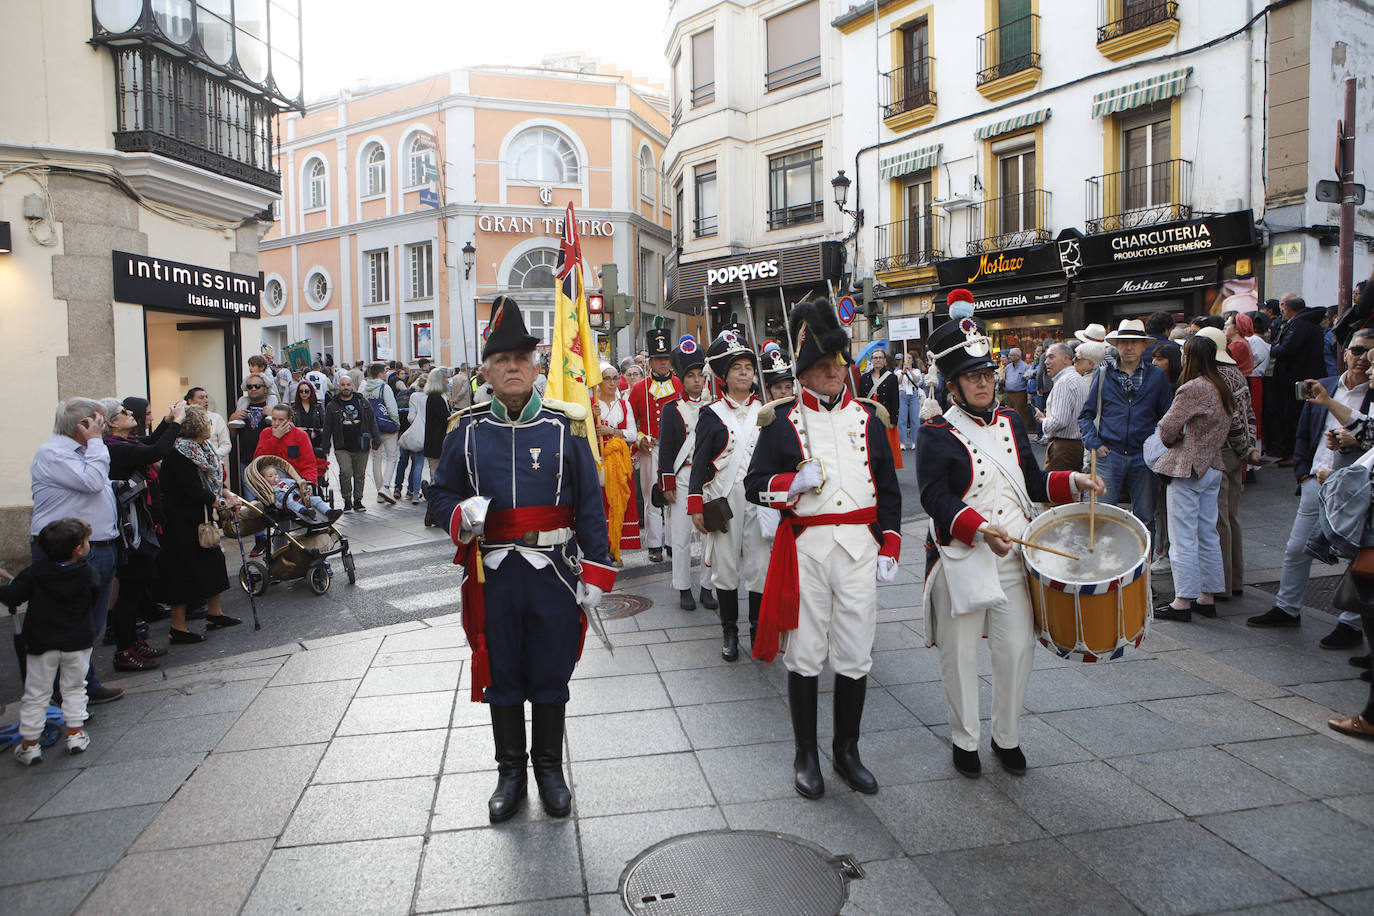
{"type": "Point", "coordinates": [726, 435]}
{"type": "Point", "coordinates": [676, 446]}
{"type": "Point", "coordinates": [974, 474]}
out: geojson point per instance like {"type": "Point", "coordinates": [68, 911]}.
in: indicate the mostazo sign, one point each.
{"type": "Point", "coordinates": [757, 270]}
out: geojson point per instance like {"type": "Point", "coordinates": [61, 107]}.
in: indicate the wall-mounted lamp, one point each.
{"type": "Point", "coordinates": [4, 237]}
{"type": "Point", "coordinates": [469, 259]}
{"type": "Point", "coordinates": [840, 185]}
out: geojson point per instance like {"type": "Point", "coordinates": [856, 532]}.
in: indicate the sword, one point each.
{"type": "Point", "coordinates": [594, 621]}
{"type": "Point", "coordinates": [848, 374]}
{"type": "Point", "coordinates": [752, 335]}
{"type": "Point", "coordinates": [796, 381]}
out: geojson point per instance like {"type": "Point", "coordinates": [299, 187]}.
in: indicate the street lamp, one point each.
{"type": "Point", "coordinates": [840, 185]}
{"type": "Point", "coordinates": [469, 259]}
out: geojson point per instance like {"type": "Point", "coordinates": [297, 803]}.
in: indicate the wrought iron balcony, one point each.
{"type": "Point", "coordinates": [1142, 196]}
{"type": "Point", "coordinates": [1121, 17]}
{"type": "Point", "coordinates": [1016, 220]}
{"type": "Point", "coordinates": [906, 243]}
{"type": "Point", "coordinates": [908, 88]}
{"type": "Point", "coordinates": [1010, 48]}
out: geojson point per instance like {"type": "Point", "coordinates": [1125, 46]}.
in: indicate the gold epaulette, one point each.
{"type": "Point", "coordinates": [880, 410]}
{"type": "Point", "coordinates": [769, 410]}
{"type": "Point", "coordinates": [459, 414]}
{"type": "Point", "coordinates": [576, 414]}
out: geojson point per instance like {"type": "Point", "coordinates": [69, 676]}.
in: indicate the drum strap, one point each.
{"type": "Point", "coordinates": [969, 433]}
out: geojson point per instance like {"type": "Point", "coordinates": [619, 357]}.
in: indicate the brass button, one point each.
{"type": "Point", "coordinates": [531, 538]}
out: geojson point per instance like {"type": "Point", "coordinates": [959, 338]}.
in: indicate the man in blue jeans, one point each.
{"type": "Point", "coordinates": [1126, 398]}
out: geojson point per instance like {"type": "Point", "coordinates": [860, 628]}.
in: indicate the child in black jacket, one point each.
{"type": "Point", "coordinates": [57, 633]}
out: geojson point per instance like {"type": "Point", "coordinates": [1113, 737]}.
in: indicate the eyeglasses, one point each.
{"type": "Point", "coordinates": [982, 377]}
{"type": "Point", "coordinates": [251, 387]}
{"type": "Point", "coordinates": [1358, 351]}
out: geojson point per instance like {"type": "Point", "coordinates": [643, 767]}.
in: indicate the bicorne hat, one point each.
{"type": "Point", "coordinates": [776, 367]}
{"type": "Point", "coordinates": [816, 332]}
{"type": "Point", "coordinates": [961, 345]}
{"type": "Point", "coordinates": [506, 331]}
{"type": "Point", "coordinates": [688, 355]}
{"type": "Point", "coordinates": [728, 347]}
{"type": "Point", "coordinates": [656, 342]}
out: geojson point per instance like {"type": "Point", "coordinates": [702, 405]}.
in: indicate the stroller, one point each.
{"type": "Point", "coordinates": [296, 549]}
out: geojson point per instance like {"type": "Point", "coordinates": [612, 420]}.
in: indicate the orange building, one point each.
{"type": "Point", "coordinates": [407, 209]}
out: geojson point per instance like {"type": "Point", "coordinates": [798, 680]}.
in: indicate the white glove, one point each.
{"type": "Point", "coordinates": [808, 477]}
{"type": "Point", "coordinates": [474, 512]}
{"type": "Point", "coordinates": [887, 569]}
{"type": "Point", "coordinates": [589, 596]}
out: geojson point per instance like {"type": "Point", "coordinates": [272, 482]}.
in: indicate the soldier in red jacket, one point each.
{"type": "Point", "coordinates": [647, 398]}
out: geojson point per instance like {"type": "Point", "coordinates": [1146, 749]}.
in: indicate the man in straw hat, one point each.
{"type": "Point", "coordinates": [517, 486]}
{"type": "Point", "coordinates": [980, 481]}
{"type": "Point", "coordinates": [1126, 398]}
{"type": "Point", "coordinates": [825, 461]}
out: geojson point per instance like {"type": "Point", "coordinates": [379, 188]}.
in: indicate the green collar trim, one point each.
{"type": "Point", "coordinates": [531, 408]}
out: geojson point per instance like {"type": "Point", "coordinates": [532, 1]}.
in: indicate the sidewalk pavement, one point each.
{"type": "Point", "coordinates": [350, 774]}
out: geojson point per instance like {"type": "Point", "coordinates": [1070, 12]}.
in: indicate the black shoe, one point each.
{"type": "Point", "coordinates": [655, 554]}
{"type": "Point", "coordinates": [221, 622]}
{"type": "Point", "coordinates": [358, 506]}
{"type": "Point", "coordinates": [806, 766]}
{"type": "Point", "coordinates": [1274, 617]}
{"type": "Point", "coordinates": [1365, 676]}
{"type": "Point", "coordinates": [332, 515]}
{"type": "Point", "coordinates": [1011, 758]}
{"type": "Point", "coordinates": [103, 694]}
{"type": "Point", "coordinates": [1359, 661]}
{"type": "Point", "coordinates": [1208, 610]}
{"type": "Point", "coordinates": [546, 754]}
{"type": "Point", "coordinates": [849, 711]}
{"type": "Point", "coordinates": [967, 763]}
{"type": "Point", "coordinates": [1169, 612]}
{"type": "Point", "coordinates": [183, 637]}
{"type": "Point", "coordinates": [685, 600]}
{"type": "Point", "coordinates": [1343, 637]}
{"type": "Point", "coordinates": [508, 731]}
{"type": "Point", "coordinates": [668, 550]}
{"type": "Point", "coordinates": [347, 507]}
{"type": "Point", "coordinates": [708, 600]}
{"type": "Point", "coordinates": [729, 648]}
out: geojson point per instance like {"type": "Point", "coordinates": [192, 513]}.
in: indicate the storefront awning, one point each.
{"type": "Point", "coordinates": [906, 163]}
{"type": "Point", "coordinates": [1133, 95]}
{"type": "Point", "coordinates": [1160, 283]}
{"type": "Point", "coordinates": [1011, 124]}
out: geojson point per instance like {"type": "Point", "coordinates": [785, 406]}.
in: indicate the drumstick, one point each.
{"type": "Point", "coordinates": [1092, 506]}
{"type": "Point", "coordinates": [1031, 544]}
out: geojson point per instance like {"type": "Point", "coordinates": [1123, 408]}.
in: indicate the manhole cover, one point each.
{"type": "Point", "coordinates": [615, 607]}
{"type": "Point", "coordinates": [737, 871]}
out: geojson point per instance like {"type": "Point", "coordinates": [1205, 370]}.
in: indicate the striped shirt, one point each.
{"type": "Point", "coordinates": [1065, 401]}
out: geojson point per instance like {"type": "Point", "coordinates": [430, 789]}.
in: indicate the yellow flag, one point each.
{"type": "Point", "coordinates": [574, 368]}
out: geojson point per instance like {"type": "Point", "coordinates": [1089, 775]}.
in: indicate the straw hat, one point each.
{"type": "Point", "coordinates": [1216, 336]}
{"type": "Point", "coordinates": [1130, 329]}
{"type": "Point", "coordinates": [1093, 333]}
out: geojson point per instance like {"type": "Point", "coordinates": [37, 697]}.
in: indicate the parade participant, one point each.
{"type": "Point", "coordinates": [727, 430]}
{"type": "Point", "coordinates": [777, 373]}
{"type": "Point", "coordinates": [880, 384]}
{"type": "Point", "coordinates": [826, 463]}
{"type": "Point", "coordinates": [517, 486]}
{"type": "Point", "coordinates": [979, 481]}
{"type": "Point", "coordinates": [647, 398]}
{"type": "Point", "coordinates": [676, 445]}
{"type": "Point", "coordinates": [615, 430]}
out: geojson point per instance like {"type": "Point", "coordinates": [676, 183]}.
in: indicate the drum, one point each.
{"type": "Point", "coordinates": [1092, 608]}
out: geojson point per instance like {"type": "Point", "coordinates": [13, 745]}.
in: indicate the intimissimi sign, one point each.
{"type": "Point", "coordinates": [188, 288]}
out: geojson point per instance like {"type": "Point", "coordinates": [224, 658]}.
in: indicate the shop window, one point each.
{"type": "Point", "coordinates": [317, 289]}
{"type": "Point", "coordinates": [794, 46]}
{"type": "Point", "coordinates": [317, 185]}
{"type": "Point", "coordinates": [541, 154]}
{"type": "Point", "coordinates": [534, 270]}
{"type": "Point", "coordinates": [794, 188]}
{"type": "Point", "coordinates": [374, 170]}
{"type": "Point", "coordinates": [379, 276]}
{"type": "Point", "coordinates": [421, 261]}
{"type": "Point", "coordinates": [707, 202]}
{"type": "Point", "coordinates": [648, 176]}
{"type": "Point", "coordinates": [703, 68]}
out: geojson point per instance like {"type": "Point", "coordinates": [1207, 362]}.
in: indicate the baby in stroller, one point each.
{"type": "Point", "coordinates": [286, 494]}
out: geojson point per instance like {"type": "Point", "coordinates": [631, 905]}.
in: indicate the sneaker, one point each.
{"type": "Point", "coordinates": [385, 497]}
{"type": "Point", "coordinates": [28, 754]}
{"type": "Point", "coordinates": [1160, 565]}
{"type": "Point", "coordinates": [1343, 637]}
{"type": "Point", "coordinates": [655, 554]}
{"type": "Point", "coordinates": [347, 507]}
{"type": "Point", "coordinates": [1275, 617]}
{"type": "Point", "coordinates": [395, 496]}
{"type": "Point", "coordinates": [78, 741]}
{"type": "Point", "coordinates": [97, 695]}
{"type": "Point", "coordinates": [143, 648]}
{"type": "Point", "coordinates": [256, 551]}
{"type": "Point", "coordinates": [414, 499]}
{"type": "Point", "coordinates": [131, 660]}
{"type": "Point", "coordinates": [359, 507]}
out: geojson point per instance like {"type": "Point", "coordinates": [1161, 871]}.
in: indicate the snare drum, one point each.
{"type": "Point", "coordinates": [1092, 608]}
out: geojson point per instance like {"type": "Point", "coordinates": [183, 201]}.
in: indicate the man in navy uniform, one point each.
{"type": "Point", "coordinates": [676, 444]}
{"type": "Point", "coordinates": [517, 486]}
{"type": "Point", "coordinates": [824, 460]}
{"type": "Point", "coordinates": [979, 482]}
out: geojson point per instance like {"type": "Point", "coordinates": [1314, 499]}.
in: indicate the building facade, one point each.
{"type": "Point", "coordinates": [407, 209]}
{"type": "Point", "coordinates": [1075, 163]}
{"type": "Point", "coordinates": [136, 164]}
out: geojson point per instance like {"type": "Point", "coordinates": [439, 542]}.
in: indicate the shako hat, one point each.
{"type": "Point", "coordinates": [725, 349]}
{"type": "Point", "coordinates": [656, 342]}
{"type": "Point", "coordinates": [816, 332]}
{"type": "Point", "coordinates": [776, 367]}
{"type": "Point", "coordinates": [506, 331]}
{"type": "Point", "coordinates": [961, 345]}
{"type": "Point", "coordinates": [687, 355]}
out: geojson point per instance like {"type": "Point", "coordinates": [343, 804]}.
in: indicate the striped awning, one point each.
{"type": "Point", "coordinates": [1133, 95]}
{"type": "Point", "coordinates": [906, 163]}
{"type": "Point", "coordinates": [1011, 124]}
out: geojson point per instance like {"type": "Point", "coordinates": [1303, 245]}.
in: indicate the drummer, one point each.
{"type": "Point", "coordinates": [979, 483]}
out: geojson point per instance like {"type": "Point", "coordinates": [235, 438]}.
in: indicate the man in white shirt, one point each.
{"type": "Point", "coordinates": [70, 478]}
{"type": "Point", "coordinates": [1059, 419]}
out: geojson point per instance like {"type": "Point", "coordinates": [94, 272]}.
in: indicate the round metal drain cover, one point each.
{"type": "Point", "coordinates": [615, 607]}
{"type": "Point", "coordinates": [736, 871]}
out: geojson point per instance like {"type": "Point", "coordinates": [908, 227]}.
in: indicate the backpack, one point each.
{"type": "Point", "coordinates": [384, 422]}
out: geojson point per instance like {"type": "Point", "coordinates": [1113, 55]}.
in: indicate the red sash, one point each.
{"type": "Point", "coordinates": [782, 588]}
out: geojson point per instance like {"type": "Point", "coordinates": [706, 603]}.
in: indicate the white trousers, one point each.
{"type": "Point", "coordinates": [384, 463]}
{"type": "Point", "coordinates": [839, 607]}
{"type": "Point", "coordinates": [1010, 631]}
{"type": "Point", "coordinates": [33, 708]}
{"type": "Point", "coordinates": [651, 526]}
{"type": "Point", "coordinates": [741, 552]}
{"type": "Point", "coordinates": [681, 534]}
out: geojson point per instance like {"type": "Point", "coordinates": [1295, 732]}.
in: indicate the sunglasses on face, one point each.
{"type": "Point", "coordinates": [1358, 351]}
{"type": "Point", "coordinates": [251, 387]}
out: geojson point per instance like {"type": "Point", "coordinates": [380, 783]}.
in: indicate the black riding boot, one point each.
{"type": "Point", "coordinates": [546, 753]}
{"type": "Point", "coordinates": [708, 600]}
{"type": "Point", "coordinates": [755, 603]}
{"type": "Point", "coordinates": [508, 728]}
{"type": "Point", "coordinates": [806, 767]}
{"type": "Point", "coordinates": [729, 623]}
{"type": "Point", "coordinates": [849, 711]}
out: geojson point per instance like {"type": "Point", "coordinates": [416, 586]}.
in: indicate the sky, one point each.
{"type": "Point", "coordinates": [348, 42]}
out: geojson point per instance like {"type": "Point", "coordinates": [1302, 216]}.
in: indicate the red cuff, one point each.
{"type": "Point", "coordinates": [891, 546]}
{"type": "Point", "coordinates": [455, 523]}
{"type": "Point", "coordinates": [1060, 491]}
{"type": "Point", "coordinates": [966, 525]}
{"type": "Point", "coordinates": [602, 577]}
{"type": "Point", "coordinates": [778, 493]}
{"type": "Point", "coordinates": [694, 506]}
{"type": "Point", "coordinates": [667, 482]}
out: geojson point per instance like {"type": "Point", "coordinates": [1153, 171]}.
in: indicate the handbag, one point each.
{"type": "Point", "coordinates": [1152, 450]}
{"type": "Point", "coordinates": [207, 532]}
{"type": "Point", "coordinates": [1353, 593]}
{"type": "Point", "coordinates": [716, 514]}
{"type": "Point", "coordinates": [1363, 566]}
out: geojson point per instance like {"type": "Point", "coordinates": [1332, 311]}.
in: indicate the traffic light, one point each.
{"type": "Point", "coordinates": [596, 310]}
{"type": "Point", "coordinates": [610, 289]}
{"type": "Point", "coordinates": [872, 307]}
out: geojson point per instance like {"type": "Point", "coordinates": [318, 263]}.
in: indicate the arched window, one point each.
{"type": "Point", "coordinates": [317, 186]}
{"type": "Point", "coordinates": [648, 178]}
{"type": "Point", "coordinates": [534, 269]}
{"type": "Point", "coordinates": [540, 154]}
{"type": "Point", "coordinates": [374, 170]}
{"type": "Point", "coordinates": [420, 161]}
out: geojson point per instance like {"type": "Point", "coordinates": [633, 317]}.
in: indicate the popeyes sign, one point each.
{"type": "Point", "coordinates": [758, 270]}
